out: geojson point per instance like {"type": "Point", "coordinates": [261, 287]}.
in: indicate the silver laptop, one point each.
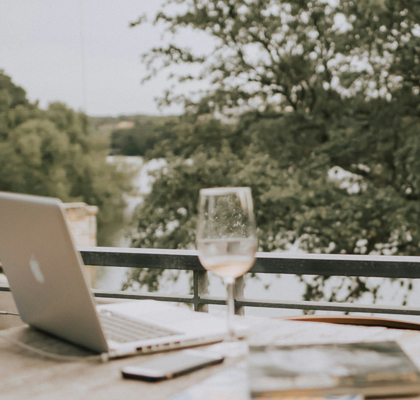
{"type": "Point", "coordinates": [48, 283]}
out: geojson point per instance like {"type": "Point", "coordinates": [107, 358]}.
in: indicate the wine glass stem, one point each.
{"type": "Point", "coordinates": [230, 284]}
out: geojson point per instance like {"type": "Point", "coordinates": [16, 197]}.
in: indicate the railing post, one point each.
{"type": "Point", "coordinates": [201, 288]}
{"type": "Point", "coordinates": [239, 295]}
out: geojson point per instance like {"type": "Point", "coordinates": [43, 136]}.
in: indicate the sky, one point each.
{"type": "Point", "coordinates": [82, 53]}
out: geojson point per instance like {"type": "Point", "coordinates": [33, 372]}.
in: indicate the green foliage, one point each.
{"type": "Point", "coordinates": [146, 133]}
{"type": "Point", "coordinates": [53, 152]}
{"type": "Point", "coordinates": [305, 54]}
{"type": "Point", "coordinates": [327, 132]}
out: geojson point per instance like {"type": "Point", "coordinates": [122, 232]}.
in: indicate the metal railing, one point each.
{"type": "Point", "coordinates": [267, 263]}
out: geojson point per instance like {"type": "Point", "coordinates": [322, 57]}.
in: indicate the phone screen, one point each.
{"type": "Point", "coordinates": [171, 365]}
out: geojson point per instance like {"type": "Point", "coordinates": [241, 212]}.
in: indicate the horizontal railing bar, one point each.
{"type": "Point", "coordinates": [338, 265]}
{"type": "Point", "coordinates": [140, 296]}
{"type": "Point", "coordinates": [342, 307]}
{"type": "Point", "coordinates": [134, 296]}
{"type": "Point", "coordinates": [141, 258]}
{"type": "Point", "coordinates": [302, 305]}
{"type": "Point", "coordinates": [297, 305]}
{"type": "Point", "coordinates": [270, 263]}
{"type": "Point", "coordinates": [153, 296]}
{"type": "Point", "coordinates": [317, 305]}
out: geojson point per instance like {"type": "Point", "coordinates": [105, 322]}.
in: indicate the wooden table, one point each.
{"type": "Point", "coordinates": [24, 375]}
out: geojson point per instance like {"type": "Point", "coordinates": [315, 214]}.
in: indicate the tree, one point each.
{"type": "Point", "coordinates": [305, 54]}
{"type": "Point", "coordinates": [145, 134]}
{"type": "Point", "coordinates": [326, 95]}
{"type": "Point", "coordinates": [53, 152]}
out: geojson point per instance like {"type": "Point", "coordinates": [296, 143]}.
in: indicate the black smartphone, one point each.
{"type": "Point", "coordinates": [171, 365]}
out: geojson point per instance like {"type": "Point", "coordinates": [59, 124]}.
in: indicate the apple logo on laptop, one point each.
{"type": "Point", "coordinates": [36, 270]}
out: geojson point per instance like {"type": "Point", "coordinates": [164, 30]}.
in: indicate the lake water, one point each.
{"type": "Point", "coordinates": [264, 286]}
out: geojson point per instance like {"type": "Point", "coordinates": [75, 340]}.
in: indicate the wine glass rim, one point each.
{"type": "Point", "coordinates": [224, 190]}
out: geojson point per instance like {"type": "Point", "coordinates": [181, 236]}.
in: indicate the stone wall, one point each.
{"type": "Point", "coordinates": [82, 220]}
{"type": "Point", "coordinates": [83, 226]}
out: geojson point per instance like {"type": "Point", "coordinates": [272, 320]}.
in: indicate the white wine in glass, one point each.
{"type": "Point", "coordinates": [226, 237]}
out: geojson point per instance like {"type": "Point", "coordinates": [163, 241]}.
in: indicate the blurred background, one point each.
{"type": "Point", "coordinates": [133, 106]}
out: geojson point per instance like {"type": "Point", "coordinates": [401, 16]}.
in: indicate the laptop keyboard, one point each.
{"type": "Point", "coordinates": [124, 329]}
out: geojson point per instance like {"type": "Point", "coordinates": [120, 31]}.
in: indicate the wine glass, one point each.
{"type": "Point", "coordinates": [226, 237]}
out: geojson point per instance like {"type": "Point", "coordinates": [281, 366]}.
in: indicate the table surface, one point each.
{"type": "Point", "coordinates": [25, 375]}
